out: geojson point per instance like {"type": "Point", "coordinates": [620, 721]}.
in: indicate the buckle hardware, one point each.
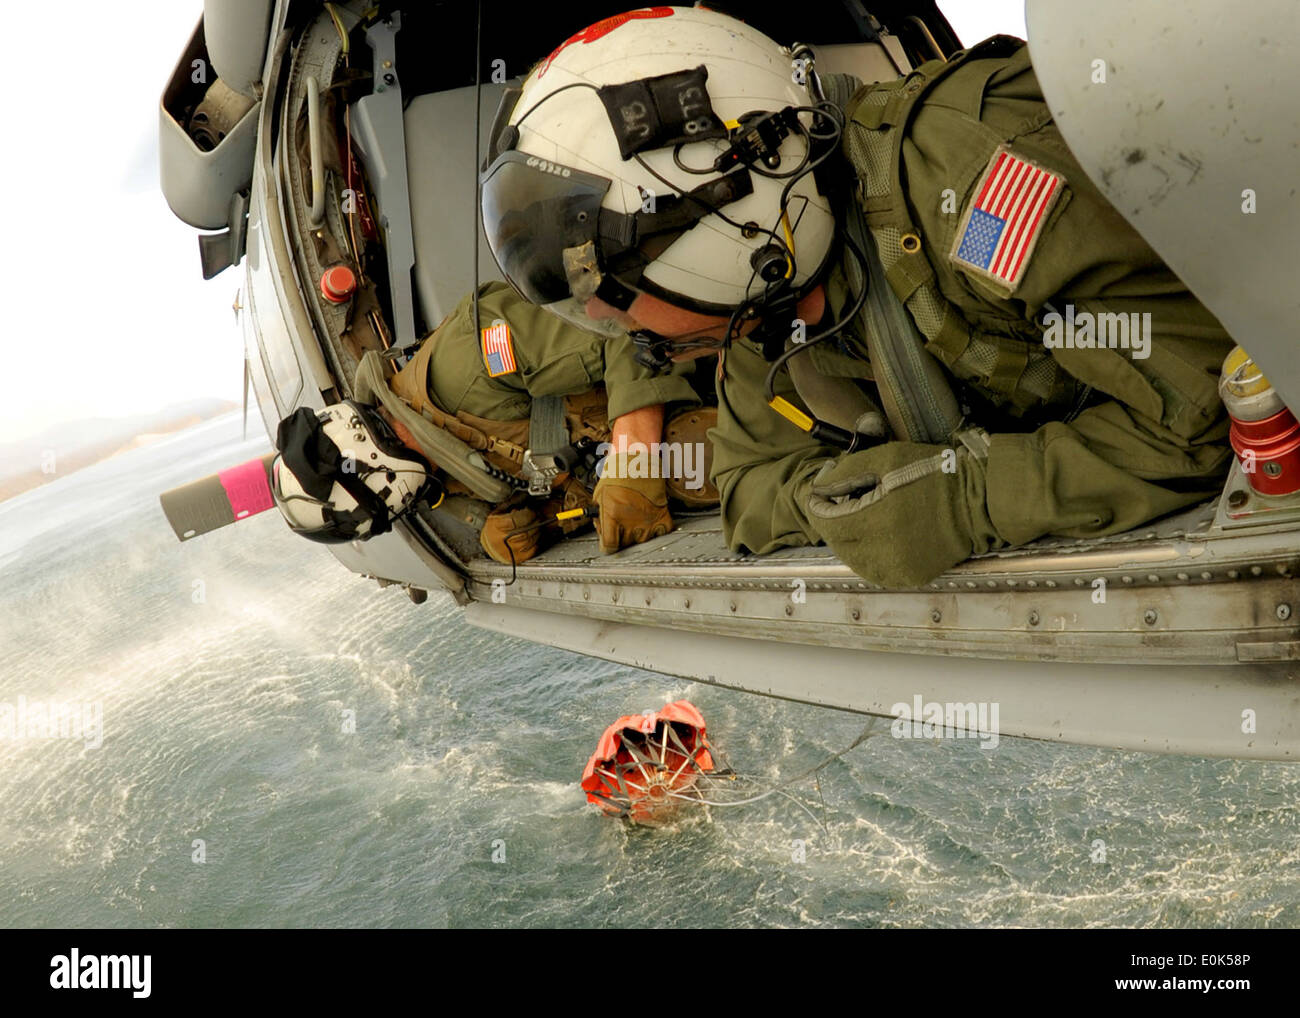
{"type": "Point", "coordinates": [540, 471]}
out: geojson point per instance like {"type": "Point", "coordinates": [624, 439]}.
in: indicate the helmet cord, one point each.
{"type": "Point", "coordinates": [823, 430]}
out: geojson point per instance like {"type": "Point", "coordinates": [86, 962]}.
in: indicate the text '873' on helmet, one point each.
{"type": "Point", "coordinates": [342, 475]}
{"type": "Point", "coordinates": [650, 153]}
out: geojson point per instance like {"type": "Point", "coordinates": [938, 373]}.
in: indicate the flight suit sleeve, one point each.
{"type": "Point", "coordinates": [550, 356]}
{"type": "Point", "coordinates": [1159, 445]}
{"type": "Point", "coordinates": [762, 464]}
{"type": "Point", "coordinates": [630, 386]}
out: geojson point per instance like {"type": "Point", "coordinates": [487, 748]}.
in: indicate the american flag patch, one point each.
{"type": "Point", "coordinates": [498, 353]}
{"type": "Point", "coordinates": [998, 233]}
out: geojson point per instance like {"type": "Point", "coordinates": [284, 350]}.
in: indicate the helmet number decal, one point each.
{"type": "Point", "coordinates": [636, 120]}
{"type": "Point", "coordinates": [661, 111]}
{"type": "Point", "coordinates": [546, 166]}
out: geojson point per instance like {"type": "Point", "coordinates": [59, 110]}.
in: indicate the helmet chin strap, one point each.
{"type": "Point", "coordinates": [652, 350]}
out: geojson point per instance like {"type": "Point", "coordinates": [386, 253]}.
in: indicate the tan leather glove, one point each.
{"type": "Point", "coordinates": [494, 535]}
{"type": "Point", "coordinates": [632, 509]}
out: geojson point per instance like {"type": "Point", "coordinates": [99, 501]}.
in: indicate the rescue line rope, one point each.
{"type": "Point", "coordinates": [867, 732]}
{"type": "Point", "coordinates": [777, 791]}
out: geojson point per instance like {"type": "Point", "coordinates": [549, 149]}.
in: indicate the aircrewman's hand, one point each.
{"type": "Point", "coordinates": [902, 513]}
{"type": "Point", "coordinates": [632, 509]}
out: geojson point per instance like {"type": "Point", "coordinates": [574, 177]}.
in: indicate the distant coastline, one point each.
{"type": "Point", "coordinates": [75, 445]}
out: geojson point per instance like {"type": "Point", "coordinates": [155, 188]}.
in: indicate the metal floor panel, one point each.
{"type": "Point", "coordinates": [1176, 592]}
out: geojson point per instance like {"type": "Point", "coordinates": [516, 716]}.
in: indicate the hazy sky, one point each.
{"type": "Point", "coordinates": [974, 20]}
{"type": "Point", "coordinates": [107, 311]}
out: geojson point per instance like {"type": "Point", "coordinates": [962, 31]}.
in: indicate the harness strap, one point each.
{"type": "Point", "coordinates": [547, 432]}
{"type": "Point", "coordinates": [917, 398]}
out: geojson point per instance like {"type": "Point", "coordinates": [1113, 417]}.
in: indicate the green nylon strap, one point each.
{"type": "Point", "coordinates": [894, 110]}
{"type": "Point", "coordinates": [871, 115]}
{"type": "Point", "coordinates": [898, 110]}
{"type": "Point", "coordinates": [1011, 362]}
{"type": "Point", "coordinates": [909, 273]}
{"type": "Point", "coordinates": [547, 432]}
{"type": "Point", "coordinates": [952, 339]}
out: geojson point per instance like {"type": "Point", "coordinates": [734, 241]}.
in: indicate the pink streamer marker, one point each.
{"type": "Point", "coordinates": [247, 488]}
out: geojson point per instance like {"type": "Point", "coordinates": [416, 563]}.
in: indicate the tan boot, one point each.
{"type": "Point", "coordinates": [499, 540]}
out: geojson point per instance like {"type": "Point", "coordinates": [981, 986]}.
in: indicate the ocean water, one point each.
{"type": "Point", "coordinates": [225, 791]}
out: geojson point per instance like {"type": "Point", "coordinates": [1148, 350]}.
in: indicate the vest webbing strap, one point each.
{"type": "Point", "coordinates": [416, 396]}
{"type": "Point", "coordinates": [1009, 366]}
{"type": "Point", "coordinates": [547, 433]}
{"type": "Point", "coordinates": [952, 340]}
{"type": "Point", "coordinates": [476, 439]}
{"type": "Point", "coordinates": [895, 110]}
{"type": "Point", "coordinates": [909, 274]}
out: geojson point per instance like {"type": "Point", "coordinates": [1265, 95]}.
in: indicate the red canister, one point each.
{"type": "Point", "coordinates": [1264, 434]}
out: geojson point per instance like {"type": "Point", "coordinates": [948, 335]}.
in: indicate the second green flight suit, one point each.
{"type": "Point", "coordinates": [482, 383]}
{"type": "Point", "coordinates": [495, 377]}
{"type": "Point", "coordinates": [1145, 436]}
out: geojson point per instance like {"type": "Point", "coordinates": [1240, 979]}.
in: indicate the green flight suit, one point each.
{"type": "Point", "coordinates": [1157, 445]}
{"type": "Point", "coordinates": [550, 358]}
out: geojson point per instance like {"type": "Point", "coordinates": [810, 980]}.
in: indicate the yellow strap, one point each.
{"type": "Point", "coordinates": [791, 413]}
{"type": "Point", "coordinates": [571, 514]}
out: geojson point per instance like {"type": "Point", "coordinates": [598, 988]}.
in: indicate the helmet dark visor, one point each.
{"type": "Point", "coordinates": [533, 209]}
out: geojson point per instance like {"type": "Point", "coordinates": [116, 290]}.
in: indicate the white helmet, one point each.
{"type": "Point", "coordinates": [342, 475]}
{"type": "Point", "coordinates": [586, 191]}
